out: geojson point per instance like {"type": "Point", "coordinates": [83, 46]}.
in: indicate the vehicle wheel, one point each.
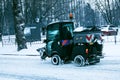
{"type": "Point", "coordinates": [56, 60]}
{"type": "Point", "coordinates": [79, 61]}
{"type": "Point", "coordinates": [98, 61]}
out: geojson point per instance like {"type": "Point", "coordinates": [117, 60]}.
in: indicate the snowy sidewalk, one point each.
{"type": "Point", "coordinates": [12, 50]}
{"type": "Point", "coordinates": [31, 51]}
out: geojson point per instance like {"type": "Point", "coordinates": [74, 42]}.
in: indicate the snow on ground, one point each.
{"type": "Point", "coordinates": [12, 49]}
{"type": "Point", "coordinates": [18, 66]}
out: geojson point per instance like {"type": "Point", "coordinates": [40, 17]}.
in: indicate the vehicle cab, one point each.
{"type": "Point", "coordinates": [57, 38]}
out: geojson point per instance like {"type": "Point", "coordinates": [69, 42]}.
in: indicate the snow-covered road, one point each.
{"type": "Point", "coordinates": [20, 67]}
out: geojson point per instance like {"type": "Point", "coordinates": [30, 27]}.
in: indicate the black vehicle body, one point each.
{"type": "Point", "coordinates": [80, 47]}
{"type": "Point", "coordinates": [88, 45]}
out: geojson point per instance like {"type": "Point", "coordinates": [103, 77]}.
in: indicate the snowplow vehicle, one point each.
{"type": "Point", "coordinates": [64, 44]}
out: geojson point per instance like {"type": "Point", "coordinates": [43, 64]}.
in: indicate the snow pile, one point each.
{"type": "Point", "coordinates": [78, 29]}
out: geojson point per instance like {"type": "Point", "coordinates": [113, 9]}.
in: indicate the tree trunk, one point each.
{"type": "Point", "coordinates": [19, 25]}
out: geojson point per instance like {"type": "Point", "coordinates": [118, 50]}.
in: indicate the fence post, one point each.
{"type": "Point", "coordinates": [115, 39]}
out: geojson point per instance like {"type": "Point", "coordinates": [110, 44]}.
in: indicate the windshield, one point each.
{"type": "Point", "coordinates": [54, 29]}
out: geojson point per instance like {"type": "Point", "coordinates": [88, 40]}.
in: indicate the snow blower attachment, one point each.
{"type": "Point", "coordinates": [64, 44]}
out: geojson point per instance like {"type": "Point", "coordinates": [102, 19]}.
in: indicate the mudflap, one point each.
{"type": "Point", "coordinates": [93, 60]}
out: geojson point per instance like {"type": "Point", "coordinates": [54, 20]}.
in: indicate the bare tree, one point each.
{"type": "Point", "coordinates": [108, 9]}
{"type": "Point", "coordinates": [19, 25]}
{"type": "Point", "coordinates": [46, 11]}
{"type": "Point", "coordinates": [0, 20]}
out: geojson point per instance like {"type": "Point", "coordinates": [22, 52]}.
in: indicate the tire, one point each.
{"type": "Point", "coordinates": [56, 60]}
{"type": "Point", "coordinates": [98, 61]}
{"type": "Point", "coordinates": [79, 61]}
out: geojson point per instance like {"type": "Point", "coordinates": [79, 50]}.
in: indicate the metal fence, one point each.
{"type": "Point", "coordinates": [10, 40]}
